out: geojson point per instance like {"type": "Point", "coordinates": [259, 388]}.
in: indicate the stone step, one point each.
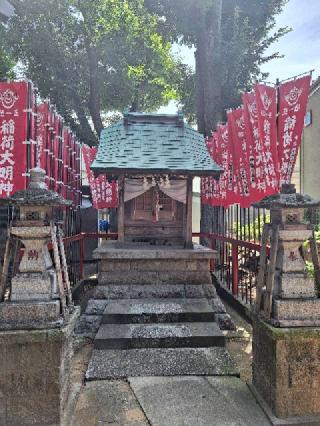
{"type": "Point", "coordinates": [114, 364]}
{"type": "Point", "coordinates": [157, 310]}
{"type": "Point", "coordinates": [133, 336]}
{"type": "Point", "coordinates": [145, 291]}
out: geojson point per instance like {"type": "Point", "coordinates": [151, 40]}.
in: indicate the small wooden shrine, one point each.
{"type": "Point", "coordinates": [154, 158]}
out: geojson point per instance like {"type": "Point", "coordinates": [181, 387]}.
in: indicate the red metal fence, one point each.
{"type": "Point", "coordinates": [235, 266]}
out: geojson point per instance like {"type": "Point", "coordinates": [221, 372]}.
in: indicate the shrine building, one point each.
{"type": "Point", "coordinates": [154, 158]}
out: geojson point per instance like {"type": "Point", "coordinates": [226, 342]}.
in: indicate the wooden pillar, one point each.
{"type": "Point", "coordinates": [121, 209]}
{"type": "Point", "coordinates": [188, 229]}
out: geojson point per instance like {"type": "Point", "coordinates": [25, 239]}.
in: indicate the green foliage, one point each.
{"type": "Point", "coordinates": [94, 56]}
{"type": "Point", "coordinates": [255, 228]}
{"type": "Point", "coordinates": [231, 38]}
{"type": "Point", "coordinates": [6, 62]}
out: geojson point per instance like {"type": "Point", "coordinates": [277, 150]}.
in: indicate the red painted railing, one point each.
{"type": "Point", "coordinates": [239, 280]}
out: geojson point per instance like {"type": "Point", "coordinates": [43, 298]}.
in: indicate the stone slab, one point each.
{"type": "Point", "coordinates": [31, 287]}
{"type": "Point", "coordinates": [149, 278]}
{"type": "Point", "coordinates": [286, 370]}
{"type": "Point", "coordinates": [112, 364]}
{"type": "Point", "coordinates": [88, 325]}
{"type": "Point", "coordinates": [108, 403]}
{"type": "Point", "coordinates": [137, 291]}
{"type": "Point", "coordinates": [297, 286]}
{"type": "Point", "coordinates": [294, 309]}
{"type": "Point", "coordinates": [34, 374]}
{"type": "Point", "coordinates": [128, 336]}
{"type": "Point", "coordinates": [158, 310]}
{"type": "Point", "coordinates": [153, 265]}
{"type": "Point", "coordinates": [114, 250]}
{"type": "Point", "coordinates": [276, 421]}
{"type": "Point", "coordinates": [26, 315]}
{"type": "Point", "coordinates": [96, 306]}
{"type": "Point", "coordinates": [189, 401]}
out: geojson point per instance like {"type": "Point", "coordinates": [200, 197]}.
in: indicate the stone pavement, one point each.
{"type": "Point", "coordinates": [168, 401]}
{"type": "Point", "coordinates": [177, 400]}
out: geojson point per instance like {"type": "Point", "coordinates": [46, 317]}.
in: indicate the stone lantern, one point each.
{"type": "Point", "coordinates": [293, 298]}
{"type": "Point", "coordinates": [37, 317]}
{"type": "Point", "coordinates": [37, 296]}
{"type": "Point", "coordinates": [286, 335]}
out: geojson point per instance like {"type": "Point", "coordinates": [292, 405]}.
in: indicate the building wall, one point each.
{"type": "Point", "coordinates": [307, 171]}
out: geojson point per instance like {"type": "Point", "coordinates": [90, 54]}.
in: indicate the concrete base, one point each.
{"type": "Point", "coordinates": [290, 421]}
{"type": "Point", "coordinates": [286, 371]}
{"type": "Point", "coordinates": [286, 310]}
{"type": "Point", "coordinates": [130, 264]}
{"type": "Point", "coordinates": [115, 364]}
{"type": "Point", "coordinates": [34, 374]}
{"type": "Point", "coordinates": [30, 315]}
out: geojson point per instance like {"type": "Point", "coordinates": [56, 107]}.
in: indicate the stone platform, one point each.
{"type": "Point", "coordinates": [286, 371]}
{"type": "Point", "coordinates": [125, 263]}
{"type": "Point", "coordinates": [34, 374]}
{"type": "Point", "coordinates": [154, 306]}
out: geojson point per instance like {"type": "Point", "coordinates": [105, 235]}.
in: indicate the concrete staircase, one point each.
{"type": "Point", "coordinates": [155, 312]}
{"type": "Point", "coordinates": [152, 337]}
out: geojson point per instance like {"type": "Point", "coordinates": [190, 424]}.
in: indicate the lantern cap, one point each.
{"type": "Point", "coordinates": [288, 198]}
{"type": "Point", "coordinates": [37, 194]}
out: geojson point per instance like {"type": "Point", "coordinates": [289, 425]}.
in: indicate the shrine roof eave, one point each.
{"type": "Point", "coordinates": [114, 173]}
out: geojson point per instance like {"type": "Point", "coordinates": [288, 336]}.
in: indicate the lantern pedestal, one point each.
{"type": "Point", "coordinates": [286, 341]}
{"type": "Point", "coordinates": [286, 373]}
{"type": "Point", "coordinates": [37, 317]}
{"type": "Point", "coordinates": [35, 373]}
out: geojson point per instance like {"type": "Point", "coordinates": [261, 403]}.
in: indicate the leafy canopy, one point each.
{"type": "Point", "coordinates": [94, 56]}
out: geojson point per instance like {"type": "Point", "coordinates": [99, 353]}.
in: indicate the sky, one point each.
{"type": "Point", "coordinates": [300, 47]}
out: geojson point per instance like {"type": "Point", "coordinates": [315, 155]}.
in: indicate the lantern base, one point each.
{"type": "Point", "coordinates": [30, 315]}
{"type": "Point", "coordinates": [34, 286]}
{"type": "Point", "coordinates": [35, 374]}
{"type": "Point", "coordinates": [286, 370]}
{"type": "Point", "coordinates": [303, 311]}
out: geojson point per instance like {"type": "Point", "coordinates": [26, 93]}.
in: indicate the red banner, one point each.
{"type": "Point", "coordinates": [266, 151]}
{"type": "Point", "coordinates": [240, 155]}
{"type": "Point", "coordinates": [293, 98]}
{"type": "Point", "coordinates": [263, 180]}
{"type": "Point", "coordinates": [104, 194]}
{"type": "Point", "coordinates": [14, 136]}
{"type": "Point", "coordinates": [42, 135]}
{"type": "Point", "coordinates": [210, 189]}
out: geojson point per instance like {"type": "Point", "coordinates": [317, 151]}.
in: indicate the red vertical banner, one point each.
{"type": "Point", "coordinates": [66, 162]}
{"type": "Point", "coordinates": [259, 186]}
{"type": "Point", "coordinates": [78, 173]}
{"type": "Point", "coordinates": [225, 178]}
{"type": "Point", "coordinates": [14, 123]}
{"type": "Point", "coordinates": [293, 98]}
{"type": "Point", "coordinates": [42, 134]}
{"type": "Point", "coordinates": [240, 154]}
{"type": "Point", "coordinates": [209, 186]}
{"type": "Point", "coordinates": [267, 157]}
{"type": "Point", "coordinates": [104, 194]}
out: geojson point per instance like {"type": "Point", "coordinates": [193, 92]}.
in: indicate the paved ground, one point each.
{"type": "Point", "coordinates": [170, 401]}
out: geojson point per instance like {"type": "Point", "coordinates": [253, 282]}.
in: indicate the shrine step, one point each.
{"type": "Point", "coordinates": [114, 364]}
{"type": "Point", "coordinates": [133, 336]}
{"type": "Point", "coordinates": [157, 310]}
{"type": "Point", "coordinates": [161, 291]}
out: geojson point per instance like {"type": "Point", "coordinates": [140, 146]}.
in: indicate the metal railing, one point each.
{"type": "Point", "coordinates": [236, 265]}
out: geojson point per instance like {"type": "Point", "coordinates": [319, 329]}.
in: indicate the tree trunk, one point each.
{"type": "Point", "coordinates": [94, 103]}
{"type": "Point", "coordinates": [86, 130]}
{"type": "Point", "coordinates": [214, 71]}
{"type": "Point", "coordinates": [209, 81]}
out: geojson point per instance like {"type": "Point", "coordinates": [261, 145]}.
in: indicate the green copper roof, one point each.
{"type": "Point", "coordinates": [153, 143]}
